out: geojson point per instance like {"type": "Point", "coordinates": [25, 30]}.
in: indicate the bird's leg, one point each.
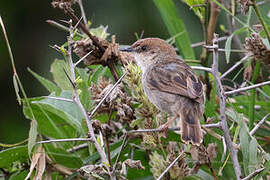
{"type": "Point", "coordinates": [165, 127]}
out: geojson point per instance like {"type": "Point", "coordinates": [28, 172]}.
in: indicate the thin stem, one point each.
{"type": "Point", "coordinates": [251, 175]}
{"type": "Point", "coordinates": [234, 66]}
{"type": "Point", "coordinates": [82, 12]}
{"type": "Point", "coordinates": [64, 140]}
{"type": "Point", "coordinates": [118, 156]}
{"type": "Point", "coordinates": [259, 124]}
{"type": "Point", "coordinates": [252, 98]}
{"type": "Point", "coordinates": [108, 93]}
{"type": "Point", "coordinates": [261, 19]}
{"type": "Point", "coordinates": [168, 168]}
{"type": "Point", "coordinates": [247, 88]}
{"type": "Point", "coordinates": [202, 68]}
{"type": "Point", "coordinates": [60, 26]}
{"type": "Point", "coordinates": [85, 56]}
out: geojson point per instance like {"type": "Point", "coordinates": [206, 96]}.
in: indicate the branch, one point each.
{"type": "Point", "coordinates": [234, 66]}
{"type": "Point", "coordinates": [78, 147]}
{"type": "Point", "coordinates": [247, 88]}
{"type": "Point", "coordinates": [251, 175]}
{"type": "Point", "coordinates": [108, 93]}
{"type": "Point", "coordinates": [261, 19]}
{"type": "Point", "coordinates": [202, 68]}
{"type": "Point", "coordinates": [222, 104]}
{"type": "Point", "coordinates": [64, 140]}
{"type": "Point", "coordinates": [82, 12]}
{"type": "Point", "coordinates": [78, 102]}
{"type": "Point", "coordinates": [168, 168]}
{"type": "Point", "coordinates": [259, 124]}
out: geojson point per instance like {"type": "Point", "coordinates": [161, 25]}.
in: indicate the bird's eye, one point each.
{"type": "Point", "coordinates": [143, 48]}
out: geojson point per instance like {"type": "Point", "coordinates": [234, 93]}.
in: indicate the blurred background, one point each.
{"type": "Point", "coordinates": [30, 37]}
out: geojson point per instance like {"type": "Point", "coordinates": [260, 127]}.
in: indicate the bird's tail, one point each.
{"type": "Point", "coordinates": [190, 126]}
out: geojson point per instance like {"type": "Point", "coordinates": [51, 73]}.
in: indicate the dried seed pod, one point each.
{"type": "Point", "coordinates": [245, 5]}
{"type": "Point", "coordinates": [62, 4]}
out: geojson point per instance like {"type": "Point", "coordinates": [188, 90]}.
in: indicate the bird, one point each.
{"type": "Point", "coordinates": [171, 85]}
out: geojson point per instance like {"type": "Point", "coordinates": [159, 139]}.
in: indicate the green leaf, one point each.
{"type": "Point", "coordinates": [229, 42]}
{"type": "Point", "coordinates": [33, 132]}
{"type": "Point", "coordinates": [100, 32]}
{"type": "Point", "coordinates": [61, 156]}
{"type": "Point", "coordinates": [57, 70]}
{"type": "Point", "coordinates": [56, 118]}
{"type": "Point", "coordinates": [96, 72]}
{"type": "Point", "coordinates": [49, 85]}
{"type": "Point", "coordinates": [19, 175]}
{"type": "Point", "coordinates": [244, 142]}
{"type": "Point", "coordinates": [175, 25]}
{"type": "Point", "coordinates": [11, 155]}
{"type": "Point", "coordinates": [195, 5]}
{"type": "Point", "coordinates": [192, 177]}
{"type": "Point", "coordinates": [253, 159]}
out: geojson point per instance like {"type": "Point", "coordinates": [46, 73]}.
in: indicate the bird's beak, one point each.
{"type": "Point", "coordinates": [126, 49]}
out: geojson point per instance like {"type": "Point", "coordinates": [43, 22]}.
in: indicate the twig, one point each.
{"type": "Point", "coordinates": [261, 19]}
{"type": "Point", "coordinates": [65, 140]}
{"type": "Point", "coordinates": [216, 125]}
{"type": "Point", "coordinates": [60, 26]}
{"type": "Point", "coordinates": [222, 108]}
{"type": "Point", "coordinates": [234, 66]}
{"type": "Point", "coordinates": [82, 12]}
{"type": "Point", "coordinates": [85, 56]}
{"type": "Point", "coordinates": [168, 168]}
{"type": "Point", "coordinates": [203, 43]}
{"type": "Point", "coordinates": [121, 149]}
{"type": "Point", "coordinates": [259, 124]}
{"type": "Point", "coordinates": [251, 175]}
{"type": "Point", "coordinates": [78, 147]}
{"type": "Point", "coordinates": [108, 93]}
{"type": "Point", "coordinates": [247, 88]}
{"type": "Point", "coordinates": [202, 68]}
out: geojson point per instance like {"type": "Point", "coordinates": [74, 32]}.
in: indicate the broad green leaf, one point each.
{"type": "Point", "coordinates": [56, 118]}
{"type": "Point", "coordinates": [33, 132]}
{"type": "Point", "coordinates": [68, 110]}
{"type": "Point", "coordinates": [244, 142]}
{"type": "Point", "coordinates": [11, 155]}
{"type": "Point", "coordinates": [175, 25]}
{"type": "Point", "coordinates": [61, 156]}
{"type": "Point", "coordinates": [229, 42]}
{"type": "Point", "coordinates": [195, 5]}
{"type": "Point", "coordinates": [59, 76]}
{"type": "Point", "coordinates": [253, 159]}
{"type": "Point", "coordinates": [50, 86]}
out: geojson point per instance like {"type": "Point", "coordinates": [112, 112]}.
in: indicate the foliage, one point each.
{"type": "Point", "coordinates": [143, 155]}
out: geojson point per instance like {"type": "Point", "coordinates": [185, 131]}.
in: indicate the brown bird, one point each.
{"type": "Point", "coordinates": [171, 85]}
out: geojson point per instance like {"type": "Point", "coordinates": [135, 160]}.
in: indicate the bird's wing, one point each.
{"type": "Point", "coordinates": [176, 77]}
